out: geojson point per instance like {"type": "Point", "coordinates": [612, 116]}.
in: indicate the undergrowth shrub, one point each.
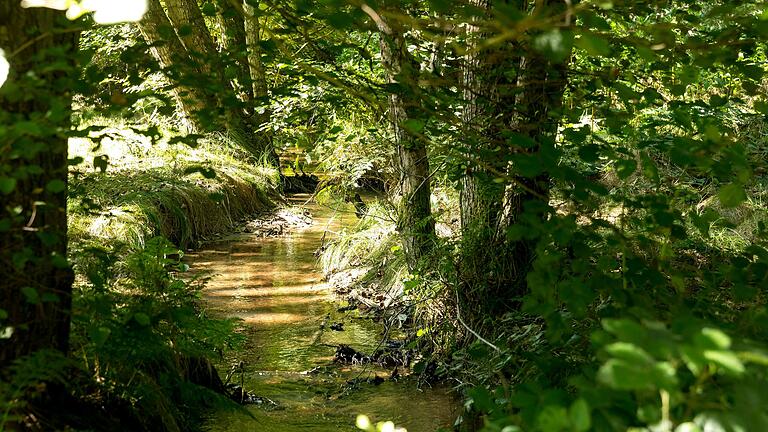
{"type": "Point", "coordinates": [139, 337]}
{"type": "Point", "coordinates": [138, 328]}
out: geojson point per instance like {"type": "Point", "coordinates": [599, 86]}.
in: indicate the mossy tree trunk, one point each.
{"type": "Point", "coordinates": [35, 109]}
{"type": "Point", "coordinates": [231, 23]}
{"type": "Point", "coordinates": [415, 221]}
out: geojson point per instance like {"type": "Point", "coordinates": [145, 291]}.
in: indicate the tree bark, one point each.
{"type": "Point", "coordinates": [36, 287]}
{"type": "Point", "coordinates": [415, 221]}
{"type": "Point", "coordinates": [190, 26]}
{"type": "Point", "coordinates": [507, 89]}
{"type": "Point", "coordinates": [263, 112]}
{"type": "Point", "coordinates": [233, 44]}
{"type": "Point", "coordinates": [169, 52]}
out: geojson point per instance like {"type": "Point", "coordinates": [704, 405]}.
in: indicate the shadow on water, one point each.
{"type": "Point", "coordinates": [274, 286]}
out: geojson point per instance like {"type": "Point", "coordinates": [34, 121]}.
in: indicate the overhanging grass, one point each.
{"type": "Point", "coordinates": [167, 195]}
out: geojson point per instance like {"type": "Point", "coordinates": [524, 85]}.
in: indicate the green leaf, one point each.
{"type": "Point", "coordinates": [208, 9]}
{"type": "Point", "coordinates": [761, 107]}
{"type": "Point", "coordinates": [629, 352]}
{"type": "Point", "coordinates": [31, 295]}
{"type": "Point", "coordinates": [713, 338]}
{"type": "Point", "coordinates": [580, 417]}
{"type": "Point", "coordinates": [727, 360]}
{"type": "Point", "coordinates": [7, 185]}
{"type": "Point", "coordinates": [731, 195]}
{"type": "Point", "coordinates": [625, 168]}
{"type": "Point", "coordinates": [56, 186]}
{"type": "Point", "coordinates": [414, 125]}
{"type": "Point", "coordinates": [622, 374]}
{"type": "Point", "coordinates": [99, 335]}
{"type": "Point", "coordinates": [624, 329]}
{"type": "Point", "coordinates": [553, 418]}
{"type": "Point", "coordinates": [592, 44]}
{"type": "Point", "coordinates": [141, 318]}
{"type": "Point", "coordinates": [688, 427]}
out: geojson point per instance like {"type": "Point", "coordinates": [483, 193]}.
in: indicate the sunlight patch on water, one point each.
{"type": "Point", "coordinates": [274, 286]}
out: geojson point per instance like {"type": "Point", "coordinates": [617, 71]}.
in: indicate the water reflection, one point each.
{"type": "Point", "coordinates": [274, 286]}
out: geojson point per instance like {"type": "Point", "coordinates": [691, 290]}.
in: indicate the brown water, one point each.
{"type": "Point", "coordinates": [274, 286]}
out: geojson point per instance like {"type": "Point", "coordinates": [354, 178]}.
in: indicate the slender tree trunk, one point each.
{"type": "Point", "coordinates": [168, 50]}
{"type": "Point", "coordinates": [507, 89]}
{"type": "Point", "coordinates": [415, 221]}
{"type": "Point", "coordinates": [214, 102]}
{"type": "Point", "coordinates": [36, 287]}
{"type": "Point", "coordinates": [233, 43]}
{"type": "Point", "coordinates": [263, 112]}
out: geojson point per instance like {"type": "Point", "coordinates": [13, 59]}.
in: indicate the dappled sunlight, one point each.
{"type": "Point", "coordinates": [262, 318]}
{"type": "Point", "coordinates": [104, 11]}
{"type": "Point", "coordinates": [264, 292]}
{"type": "Point", "coordinates": [5, 67]}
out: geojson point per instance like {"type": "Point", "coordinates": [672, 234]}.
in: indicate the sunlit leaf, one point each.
{"type": "Point", "coordinates": [5, 67]}
{"type": "Point", "coordinates": [726, 360]}
{"type": "Point", "coordinates": [580, 416]}
{"type": "Point", "coordinates": [104, 11]}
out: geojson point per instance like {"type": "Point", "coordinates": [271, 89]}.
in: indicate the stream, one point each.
{"type": "Point", "coordinates": [273, 285]}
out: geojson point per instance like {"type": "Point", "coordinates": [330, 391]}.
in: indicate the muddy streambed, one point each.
{"type": "Point", "coordinates": [275, 287]}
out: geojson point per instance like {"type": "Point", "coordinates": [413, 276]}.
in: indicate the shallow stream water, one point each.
{"type": "Point", "coordinates": [275, 287]}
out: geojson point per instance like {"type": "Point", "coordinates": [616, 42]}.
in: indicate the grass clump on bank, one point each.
{"type": "Point", "coordinates": [183, 194]}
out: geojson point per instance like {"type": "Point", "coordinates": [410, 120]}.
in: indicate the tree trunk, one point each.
{"type": "Point", "coordinates": [168, 50]}
{"type": "Point", "coordinates": [507, 89]}
{"type": "Point", "coordinates": [235, 48]}
{"type": "Point", "coordinates": [214, 102]}
{"type": "Point", "coordinates": [190, 26]}
{"type": "Point", "coordinates": [415, 221]}
{"type": "Point", "coordinates": [263, 112]}
{"type": "Point", "coordinates": [36, 287]}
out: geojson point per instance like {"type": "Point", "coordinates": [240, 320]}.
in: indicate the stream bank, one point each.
{"type": "Point", "coordinates": [274, 286]}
